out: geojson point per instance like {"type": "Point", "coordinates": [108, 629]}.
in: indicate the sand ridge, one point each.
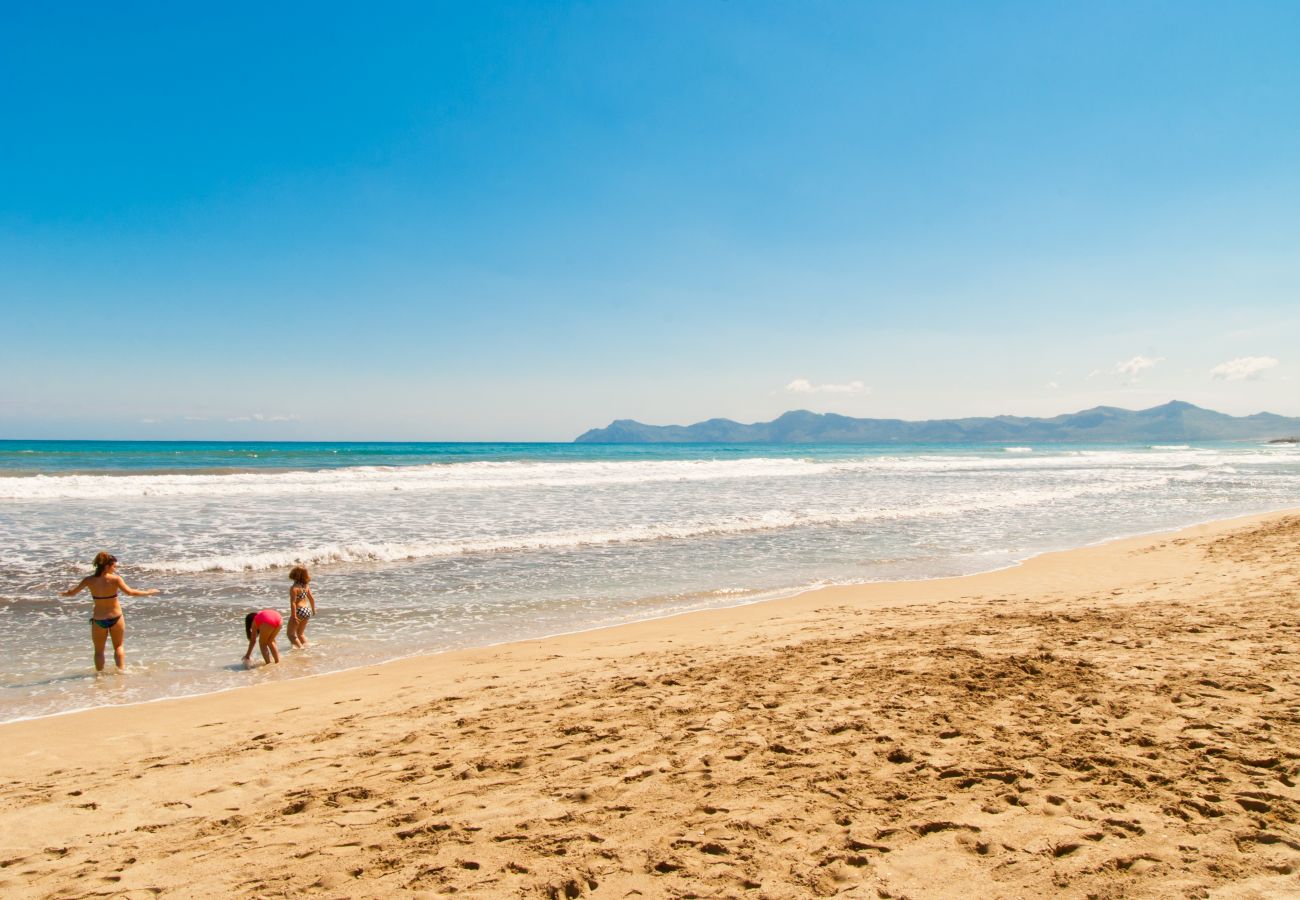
{"type": "Point", "coordinates": [1110, 722]}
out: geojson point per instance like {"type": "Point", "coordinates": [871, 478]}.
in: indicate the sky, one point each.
{"type": "Point", "coordinates": [517, 221]}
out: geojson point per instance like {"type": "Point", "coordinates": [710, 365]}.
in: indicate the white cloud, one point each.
{"type": "Point", "coordinates": [1053, 385]}
{"type": "Point", "coordinates": [261, 417]}
{"type": "Point", "coordinates": [1130, 368]}
{"type": "Point", "coordinates": [1243, 367]}
{"type": "Point", "coordinates": [804, 386]}
{"type": "Point", "coordinates": [150, 421]}
{"type": "Point", "coordinates": [1135, 366]}
{"type": "Point", "coordinates": [196, 418]}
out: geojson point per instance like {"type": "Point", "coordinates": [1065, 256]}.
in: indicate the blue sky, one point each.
{"type": "Point", "coordinates": [518, 221]}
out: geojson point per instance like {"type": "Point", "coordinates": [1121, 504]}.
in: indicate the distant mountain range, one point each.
{"type": "Point", "coordinates": [1174, 421]}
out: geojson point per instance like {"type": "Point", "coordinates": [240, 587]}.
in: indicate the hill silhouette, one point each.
{"type": "Point", "coordinates": [1173, 421]}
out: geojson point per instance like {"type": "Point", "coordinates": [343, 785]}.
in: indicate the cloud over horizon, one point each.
{"type": "Point", "coordinates": [259, 417]}
{"type": "Point", "coordinates": [1242, 367]}
{"type": "Point", "coordinates": [1129, 368]}
{"type": "Point", "coordinates": [804, 386]}
{"type": "Point", "coordinates": [1135, 366]}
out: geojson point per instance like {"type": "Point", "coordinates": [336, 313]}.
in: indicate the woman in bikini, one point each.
{"type": "Point", "coordinates": [302, 605]}
{"type": "Point", "coordinates": [106, 620]}
{"type": "Point", "coordinates": [262, 628]}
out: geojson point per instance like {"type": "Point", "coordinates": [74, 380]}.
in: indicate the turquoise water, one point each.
{"type": "Point", "coordinates": [125, 457]}
{"type": "Point", "coordinates": [419, 548]}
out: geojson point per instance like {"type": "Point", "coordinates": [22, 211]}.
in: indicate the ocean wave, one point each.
{"type": "Point", "coordinates": [496, 476]}
{"type": "Point", "coordinates": [722, 526]}
{"type": "Point", "coordinates": [420, 478]}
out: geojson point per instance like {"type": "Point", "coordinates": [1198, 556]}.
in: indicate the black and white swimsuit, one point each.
{"type": "Point", "coordinates": [301, 609]}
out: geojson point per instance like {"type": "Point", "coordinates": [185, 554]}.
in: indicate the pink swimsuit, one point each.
{"type": "Point", "coordinates": [267, 617]}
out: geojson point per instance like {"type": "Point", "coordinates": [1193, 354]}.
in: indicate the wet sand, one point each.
{"type": "Point", "coordinates": [1114, 721]}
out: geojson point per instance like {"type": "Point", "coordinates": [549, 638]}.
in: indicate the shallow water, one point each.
{"type": "Point", "coordinates": [419, 548]}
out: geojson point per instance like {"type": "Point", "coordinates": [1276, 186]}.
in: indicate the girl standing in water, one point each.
{"type": "Point", "coordinates": [106, 619]}
{"type": "Point", "coordinates": [302, 605]}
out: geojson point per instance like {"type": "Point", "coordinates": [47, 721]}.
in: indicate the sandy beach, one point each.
{"type": "Point", "coordinates": [1113, 721]}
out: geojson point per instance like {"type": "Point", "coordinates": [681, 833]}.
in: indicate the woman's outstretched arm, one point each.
{"type": "Point", "coordinates": [132, 592]}
{"type": "Point", "coordinates": [72, 592]}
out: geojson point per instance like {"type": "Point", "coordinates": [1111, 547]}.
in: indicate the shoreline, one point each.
{"type": "Point", "coordinates": [795, 594]}
{"type": "Point", "coordinates": [777, 595]}
{"type": "Point", "coordinates": [888, 736]}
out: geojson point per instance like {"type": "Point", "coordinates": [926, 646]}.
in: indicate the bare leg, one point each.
{"type": "Point", "coordinates": [266, 638]}
{"type": "Point", "coordinates": [293, 629]}
{"type": "Point", "coordinates": [98, 637]}
{"type": "Point", "coordinates": [118, 634]}
{"type": "Point", "coordinates": [302, 632]}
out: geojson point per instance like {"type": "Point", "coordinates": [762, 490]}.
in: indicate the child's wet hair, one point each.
{"type": "Point", "coordinates": [299, 575]}
{"type": "Point", "coordinates": [248, 625]}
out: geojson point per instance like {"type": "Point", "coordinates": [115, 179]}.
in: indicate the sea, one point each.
{"type": "Point", "coordinates": [420, 548]}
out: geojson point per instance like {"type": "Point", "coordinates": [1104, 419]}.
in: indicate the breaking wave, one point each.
{"type": "Point", "coordinates": [772, 520]}
{"type": "Point", "coordinates": [495, 476]}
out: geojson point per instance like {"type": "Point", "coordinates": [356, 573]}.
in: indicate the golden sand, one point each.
{"type": "Point", "coordinates": [1115, 721]}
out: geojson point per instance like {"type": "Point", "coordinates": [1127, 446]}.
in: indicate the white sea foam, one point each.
{"type": "Point", "coordinates": [420, 478]}
{"type": "Point", "coordinates": [493, 476]}
{"type": "Point", "coordinates": [770, 520]}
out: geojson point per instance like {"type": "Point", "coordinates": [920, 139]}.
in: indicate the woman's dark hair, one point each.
{"type": "Point", "coordinates": [102, 562]}
{"type": "Point", "coordinates": [299, 575]}
{"type": "Point", "coordinates": [248, 625]}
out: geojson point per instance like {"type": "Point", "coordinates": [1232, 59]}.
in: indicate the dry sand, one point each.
{"type": "Point", "coordinates": [1116, 721]}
